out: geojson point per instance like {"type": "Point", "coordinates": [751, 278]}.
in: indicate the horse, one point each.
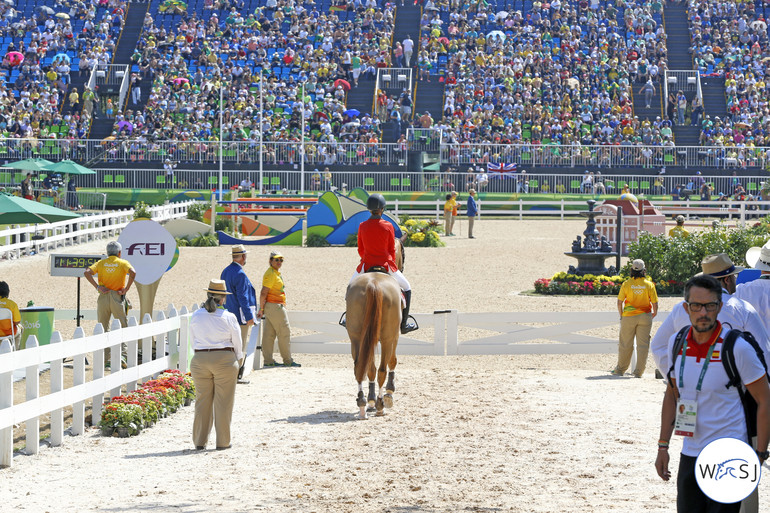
{"type": "Point", "coordinates": [374, 315]}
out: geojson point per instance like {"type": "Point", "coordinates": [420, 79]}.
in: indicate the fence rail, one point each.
{"type": "Point", "coordinates": [288, 153]}
{"type": "Point", "coordinates": [15, 241]}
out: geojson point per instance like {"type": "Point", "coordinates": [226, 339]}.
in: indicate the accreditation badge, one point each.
{"type": "Point", "coordinates": [686, 415]}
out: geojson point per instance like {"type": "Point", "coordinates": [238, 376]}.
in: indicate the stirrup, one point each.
{"type": "Point", "coordinates": [407, 327]}
{"type": "Point", "coordinates": [343, 320]}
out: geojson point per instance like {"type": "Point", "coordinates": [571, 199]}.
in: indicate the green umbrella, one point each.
{"type": "Point", "coordinates": [16, 210]}
{"type": "Point", "coordinates": [35, 164]}
{"type": "Point", "coordinates": [433, 167]}
{"type": "Point", "coordinates": [70, 167]}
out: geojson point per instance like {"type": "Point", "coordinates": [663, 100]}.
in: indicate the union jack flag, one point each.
{"type": "Point", "coordinates": [501, 170]}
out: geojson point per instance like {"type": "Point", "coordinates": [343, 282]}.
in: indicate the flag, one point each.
{"type": "Point", "coordinates": [501, 170]}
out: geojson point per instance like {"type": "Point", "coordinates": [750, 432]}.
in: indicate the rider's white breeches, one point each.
{"type": "Point", "coordinates": [398, 275]}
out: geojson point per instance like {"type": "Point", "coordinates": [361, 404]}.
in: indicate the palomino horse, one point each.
{"type": "Point", "coordinates": [374, 314]}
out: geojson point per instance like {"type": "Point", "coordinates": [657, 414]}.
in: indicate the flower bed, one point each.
{"type": "Point", "coordinates": [421, 233]}
{"type": "Point", "coordinates": [589, 284]}
{"type": "Point", "coordinates": [126, 415]}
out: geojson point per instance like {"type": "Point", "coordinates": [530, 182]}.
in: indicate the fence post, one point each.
{"type": "Point", "coordinates": [395, 207]}
{"type": "Point", "coordinates": [78, 378]}
{"type": "Point", "coordinates": [6, 404]}
{"type": "Point", "coordinates": [97, 373]}
{"type": "Point", "coordinates": [116, 351]}
{"type": "Point", "coordinates": [131, 357]}
{"type": "Point", "coordinates": [57, 385]}
{"type": "Point", "coordinates": [184, 344]}
{"type": "Point", "coordinates": [562, 210]}
{"type": "Point", "coordinates": [439, 331]}
{"type": "Point", "coordinates": [172, 347]}
{"type": "Point", "coordinates": [147, 341]}
{"type": "Point", "coordinates": [451, 333]}
{"type": "Point", "coordinates": [521, 209]}
{"type": "Point", "coordinates": [33, 392]}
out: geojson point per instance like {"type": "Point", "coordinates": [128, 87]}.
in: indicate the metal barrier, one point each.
{"type": "Point", "coordinates": [96, 152]}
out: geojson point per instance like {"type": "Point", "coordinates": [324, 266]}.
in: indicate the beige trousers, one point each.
{"type": "Point", "coordinates": [245, 340]}
{"type": "Point", "coordinates": [470, 226]}
{"type": "Point", "coordinates": [109, 305]}
{"type": "Point", "coordinates": [215, 374]}
{"type": "Point", "coordinates": [276, 324]}
{"type": "Point", "coordinates": [447, 222]}
{"type": "Point", "coordinates": [638, 326]}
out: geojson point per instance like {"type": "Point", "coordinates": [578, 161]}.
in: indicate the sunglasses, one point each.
{"type": "Point", "coordinates": [278, 259]}
{"type": "Point", "coordinates": [710, 307]}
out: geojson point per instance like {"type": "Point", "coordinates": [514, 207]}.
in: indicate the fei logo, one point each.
{"type": "Point", "coordinates": [727, 470]}
{"type": "Point", "coordinates": [147, 248]}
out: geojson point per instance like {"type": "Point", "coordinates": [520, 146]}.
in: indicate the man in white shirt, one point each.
{"type": "Point", "coordinates": [408, 45]}
{"type": "Point", "coordinates": [735, 313]}
{"type": "Point", "coordinates": [757, 292]}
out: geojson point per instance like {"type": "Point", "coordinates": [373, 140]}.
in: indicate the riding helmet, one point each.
{"type": "Point", "coordinates": [376, 202]}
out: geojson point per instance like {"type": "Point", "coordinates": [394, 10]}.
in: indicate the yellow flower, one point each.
{"type": "Point", "coordinates": [418, 237]}
{"type": "Point", "coordinates": [410, 222]}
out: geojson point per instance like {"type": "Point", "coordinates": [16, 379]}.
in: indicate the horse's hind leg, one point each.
{"type": "Point", "coordinates": [361, 402]}
{"type": "Point", "coordinates": [371, 374]}
{"type": "Point", "coordinates": [390, 388]}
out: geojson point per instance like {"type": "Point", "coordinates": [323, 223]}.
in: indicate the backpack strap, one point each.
{"type": "Point", "coordinates": [728, 355]}
{"type": "Point", "coordinates": [678, 344]}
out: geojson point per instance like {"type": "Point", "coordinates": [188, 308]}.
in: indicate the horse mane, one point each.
{"type": "Point", "coordinates": [371, 329]}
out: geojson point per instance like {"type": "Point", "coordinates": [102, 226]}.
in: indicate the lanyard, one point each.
{"type": "Point", "coordinates": [703, 370]}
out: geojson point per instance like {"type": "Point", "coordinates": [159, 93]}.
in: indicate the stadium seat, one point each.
{"type": "Point", "coordinates": [394, 182]}
{"type": "Point", "coordinates": [107, 179]}
{"type": "Point", "coordinates": [120, 179]}
{"type": "Point", "coordinates": [406, 182]}
{"type": "Point", "coordinates": [160, 180]}
{"type": "Point", "coordinates": [368, 182]}
{"type": "Point", "coordinates": [533, 185]}
{"type": "Point", "coordinates": [574, 185]}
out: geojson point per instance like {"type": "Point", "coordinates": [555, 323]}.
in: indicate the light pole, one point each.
{"type": "Point", "coordinates": [221, 149]}
{"type": "Point", "coordinates": [261, 128]}
{"type": "Point", "coordinates": [302, 147]}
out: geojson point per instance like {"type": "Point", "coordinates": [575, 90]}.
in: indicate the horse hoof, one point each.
{"type": "Point", "coordinates": [362, 413]}
{"type": "Point", "coordinates": [380, 413]}
{"type": "Point", "coordinates": [388, 400]}
{"type": "Point", "coordinates": [371, 403]}
{"type": "Point", "coordinates": [370, 409]}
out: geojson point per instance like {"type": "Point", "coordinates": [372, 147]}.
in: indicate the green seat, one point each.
{"type": "Point", "coordinates": [225, 180]}
{"type": "Point", "coordinates": [533, 184]}
{"type": "Point", "coordinates": [275, 180]}
{"type": "Point", "coordinates": [574, 184]}
{"type": "Point", "coordinates": [406, 182]}
{"type": "Point", "coordinates": [369, 182]}
{"type": "Point", "coordinates": [394, 182]}
{"type": "Point", "coordinates": [5, 178]}
{"type": "Point", "coordinates": [751, 187]}
{"type": "Point", "coordinates": [668, 158]}
{"type": "Point", "coordinates": [213, 180]}
{"type": "Point", "coordinates": [120, 178]}
{"type": "Point", "coordinates": [526, 156]}
{"type": "Point", "coordinates": [609, 184]}
{"type": "Point", "coordinates": [265, 180]}
{"type": "Point", "coordinates": [160, 180]}
{"type": "Point", "coordinates": [633, 184]}
{"type": "Point", "coordinates": [108, 179]}
{"type": "Point", "coordinates": [644, 185]}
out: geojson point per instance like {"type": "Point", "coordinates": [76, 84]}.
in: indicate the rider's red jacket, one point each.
{"type": "Point", "coordinates": [376, 244]}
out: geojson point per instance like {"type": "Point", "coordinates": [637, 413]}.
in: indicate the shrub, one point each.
{"type": "Point", "coordinates": [196, 211]}
{"type": "Point", "coordinates": [181, 241]}
{"type": "Point", "coordinates": [421, 233]}
{"type": "Point", "coordinates": [315, 240]}
{"type": "Point", "coordinates": [141, 209]}
{"type": "Point", "coordinates": [352, 241]}
{"type": "Point", "coordinates": [224, 224]}
{"type": "Point", "coordinates": [205, 240]}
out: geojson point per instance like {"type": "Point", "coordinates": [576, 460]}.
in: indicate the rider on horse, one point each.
{"type": "Point", "coordinates": [377, 248]}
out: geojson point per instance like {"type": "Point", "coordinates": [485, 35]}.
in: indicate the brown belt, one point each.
{"type": "Point", "coordinates": [215, 349]}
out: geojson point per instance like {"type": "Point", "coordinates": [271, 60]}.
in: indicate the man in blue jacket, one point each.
{"type": "Point", "coordinates": [472, 211]}
{"type": "Point", "coordinates": [243, 301]}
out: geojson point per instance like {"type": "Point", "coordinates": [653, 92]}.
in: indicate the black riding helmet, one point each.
{"type": "Point", "coordinates": [376, 202]}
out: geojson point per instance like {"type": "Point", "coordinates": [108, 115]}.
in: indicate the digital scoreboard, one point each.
{"type": "Point", "coordinates": [72, 265]}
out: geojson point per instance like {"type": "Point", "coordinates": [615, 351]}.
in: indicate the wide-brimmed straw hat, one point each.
{"type": "Point", "coordinates": [759, 258]}
{"type": "Point", "coordinates": [638, 265]}
{"type": "Point", "coordinates": [719, 266]}
{"type": "Point", "coordinates": [217, 287]}
{"type": "Point", "coordinates": [239, 249]}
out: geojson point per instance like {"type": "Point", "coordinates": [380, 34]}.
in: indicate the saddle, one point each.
{"type": "Point", "coordinates": [377, 269]}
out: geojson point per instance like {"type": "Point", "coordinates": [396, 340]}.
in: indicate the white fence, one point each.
{"type": "Point", "coordinates": [514, 333]}
{"type": "Point", "coordinates": [44, 237]}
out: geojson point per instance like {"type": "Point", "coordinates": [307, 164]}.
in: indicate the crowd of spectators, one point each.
{"type": "Point", "coordinates": [560, 74]}
{"type": "Point", "coordinates": [306, 59]}
{"type": "Point", "coordinates": [730, 39]}
{"type": "Point", "coordinates": [38, 53]}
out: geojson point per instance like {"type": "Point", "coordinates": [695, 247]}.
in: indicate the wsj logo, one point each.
{"type": "Point", "coordinates": [735, 468]}
{"type": "Point", "coordinates": [147, 249]}
{"type": "Point", "coordinates": [727, 470]}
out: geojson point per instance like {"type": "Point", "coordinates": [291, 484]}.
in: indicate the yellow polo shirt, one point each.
{"type": "Point", "coordinates": [273, 281]}
{"type": "Point", "coordinates": [112, 272]}
{"type": "Point", "coordinates": [6, 325]}
{"type": "Point", "coordinates": [638, 295]}
{"type": "Point", "coordinates": [678, 231]}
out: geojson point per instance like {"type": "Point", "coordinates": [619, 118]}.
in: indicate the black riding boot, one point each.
{"type": "Point", "coordinates": [406, 324]}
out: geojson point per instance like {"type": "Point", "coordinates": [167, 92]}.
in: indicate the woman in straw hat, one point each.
{"type": "Point", "coordinates": [272, 308]}
{"type": "Point", "coordinates": [217, 345]}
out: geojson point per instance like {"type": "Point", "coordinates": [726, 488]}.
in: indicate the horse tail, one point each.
{"type": "Point", "coordinates": [371, 330]}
